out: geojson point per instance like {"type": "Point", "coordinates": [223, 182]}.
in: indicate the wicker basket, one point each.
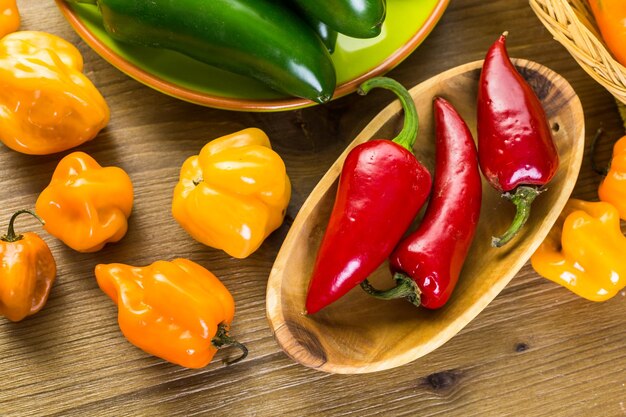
{"type": "Point", "coordinates": [571, 23]}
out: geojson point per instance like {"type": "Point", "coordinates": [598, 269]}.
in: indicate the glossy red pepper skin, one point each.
{"type": "Point", "coordinates": [381, 189]}
{"type": "Point", "coordinates": [515, 145]}
{"type": "Point", "coordinates": [427, 263]}
{"type": "Point", "coordinates": [434, 254]}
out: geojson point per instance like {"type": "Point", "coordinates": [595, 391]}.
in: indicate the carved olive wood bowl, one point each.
{"type": "Point", "coordinates": [360, 334]}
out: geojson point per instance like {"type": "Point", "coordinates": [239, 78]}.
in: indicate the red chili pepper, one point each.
{"type": "Point", "coordinates": [516, 151]}
{"type": "Point", "coordinates": [427, 263]}
{"type": "Point", "coordinates": [381, 189]}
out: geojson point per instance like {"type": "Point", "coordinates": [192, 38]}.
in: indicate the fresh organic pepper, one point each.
{"type": "Point", "coordinates": [613, 188]}
{"type": "Point", "coordinates": [516, 151]}
{"type": "Point", "coordinates": [9, 17]}
{"type": "Point", "coordinates": [47, 104]}
{"type": "Point", "coordinates": [27, 273]}
{"type": "Point", "coordinates": [381, 189]}
{"type": "Point", "coordinates": [427, 263]}
{"type": "Point", "coordinates": [86, 205]}
{"type": "Point", "coordinates": [234, 193]}
{"type": "Point", "coordinates": [610, 15]}
{"type": "Point", "coordinates": [585, 251]}
{"type": "Point", "coordinates": [177, 311]}
{"type": "Point", "coordinates": [256, 38]}
{"type": "Point", "coordinates": [355, 18]}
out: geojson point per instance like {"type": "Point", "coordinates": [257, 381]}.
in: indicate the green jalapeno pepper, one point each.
{"type": "Point", "coordinates": [255, 38]}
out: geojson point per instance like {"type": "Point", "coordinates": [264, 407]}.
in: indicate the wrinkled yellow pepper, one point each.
{"type": "Point", "coordinates": [9, 17]}
{"type": "Point", "coordinates": [585, 251]}
{"type": "Point", "coordinates": [613, 187]}
{"type": "Point", "coordinates": [86, 205]}
{"type": "Point", "coordinates": [233, 194]}
{"type": "Point", "coordinates": [47, 104]}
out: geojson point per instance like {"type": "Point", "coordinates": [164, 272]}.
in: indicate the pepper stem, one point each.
{"type": "Point", "coordinates": [408, 134]}
{"type": "Point", "coordinates": [405, 288]}
{"type": "Point", "coordinates": [522, 198]}
{"type": "Point", "coordinates": [600, 171]}
{"type": "Point", "coordinates": [222, 340]}
{"type": "Point", "coordinates": [11, 236]}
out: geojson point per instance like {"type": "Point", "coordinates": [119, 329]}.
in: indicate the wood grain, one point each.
{"type": "Point", "coordinates": [358, 334]}
{"type": "Point", "coordinates": [536, 350]}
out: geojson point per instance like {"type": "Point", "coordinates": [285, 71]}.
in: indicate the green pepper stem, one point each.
{"type": "Point", "coordinates": [600, 171]}
{"type": "Point", "coordinates": [408, 134]}
{"type": "Point", "coordinates": [522, 198]}
{"type": "Point", "coordinates": [11, 236]}
{"type": "Point", "coordinates": [222, 340]}
{"type": "Point", "coordinates": [405, 288]}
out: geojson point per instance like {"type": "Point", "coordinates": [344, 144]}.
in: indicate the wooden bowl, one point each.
{"type": "Point", "coordinates": [359, 334]}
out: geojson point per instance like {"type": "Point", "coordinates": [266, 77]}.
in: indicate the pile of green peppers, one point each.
{"type": "Point", "coordinates": [286, 44]}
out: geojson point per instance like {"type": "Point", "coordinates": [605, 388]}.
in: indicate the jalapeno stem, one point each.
{"type": "Point", "coordinates": [222, 340]}
{"type": "Point", "coordinates": [405, 288]}
{"type": "Point", "coordinates": [408, 134]}
{"type": "Point", "coordinates": [11, 236]}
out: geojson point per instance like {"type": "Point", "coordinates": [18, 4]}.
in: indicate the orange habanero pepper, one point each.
{"type": "Point", "coordinates": [177, 311]}
{"type": "Point", "coordinates": [9, 17]}
{"type": "Point", "coordinates": [47, 104]}
{"type": "Point", "coordinates": [610, 15]}
{"type": "Point", "coordinates": [613, 187]}
{"type": "Point", "coordinates": [27, 272]}
{"type": "Point", "coordinates": [86, 205]}
{"type": "Point", "coordinates": [233, 194]}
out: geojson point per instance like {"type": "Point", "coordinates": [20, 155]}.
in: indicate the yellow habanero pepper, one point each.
{"type": "Point", "coordinates": [177, 311]}
{"type": "Point", "coordinates": [9, 17]}
{"type": "Point", "coordinates": [610, 15]}
{"type": "Point", "coordinates": [613, 187]}
{"type": "Point", "coordinates": [233, 194]}
{"type": "Point", "coordinates": [585, 251]}
{"type": "Point", "coordinates": [47, 104]}
{"type": "Point", "coordinates": [86, 205]}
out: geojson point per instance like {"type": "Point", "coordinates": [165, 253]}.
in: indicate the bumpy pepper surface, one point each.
{"type": "Point", "coordinates": [9, 17]}
{"type": "Point", "coordinates": [585, 251]}
{"type": "Point", "coordinates": [516, 151]}
{"type": "Point", "coordinates": [177, 311]}
{"type": "Point", "coordinates": [27, 272]}
{"type": "Point", "coordinates": [613, 187]}
{"type": "Point", "coordinates": [233, 194]}
{"type": "Point", "coordinates": [86, 205]}
{"type": "Point", "coordinates": [381, 189]}
{"type": "Point", "coordinates": [610, 15]}
{"type": "Point", "coordinates": [256, 38]}
{"type": "Point", "coordinates": [427, 263]}
{"type": "Point", "coordinates": [47, 104]}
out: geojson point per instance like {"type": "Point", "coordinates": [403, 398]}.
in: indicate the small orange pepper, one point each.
{"type": "Point", "coordinates": [47, 104]}
{"type": "Point", "coordinates": [585, 251]}
{"type": "Point", "coordinates": [613, 188]}
{"type": "Point", "coordinates": [233, 194]}
{"type": "Point", "coordinates": [86, 205]}
{"type": "Point", "coordinates": [610, 15]}
{"type": "Point", "coordinates": [177, 311]}
{"type": "Point", "coordinates": [27, 272]}
{"type": "Point", "coordinates": [9, 17]}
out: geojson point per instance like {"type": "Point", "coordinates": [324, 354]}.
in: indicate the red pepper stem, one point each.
{"type": "Point", "coordinates": [222, 340]}
{"type": "Point", "coordinates": [408, 134]}
{"type": "Point", "coordinates": [11, 236]}
{"type": "Point", "coordinates": [522, 198]}
{"type": "Point", "coordinates": [405, 288]}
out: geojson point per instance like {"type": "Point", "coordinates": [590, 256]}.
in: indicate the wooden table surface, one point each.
{"type": "Point", "coordinates": [536, 350]}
